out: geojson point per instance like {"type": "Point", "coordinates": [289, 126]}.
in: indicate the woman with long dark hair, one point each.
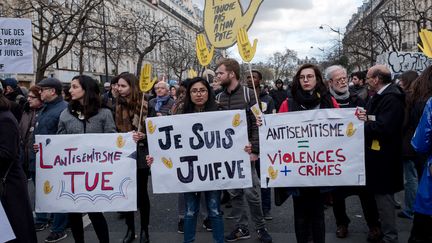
{"type": "Point", "coordinates": [309, 93]}
{"type": "Point", "coordinates": [127, 118]}
{"type": "Point", "coordinates": [85, 115]}
{"type": "Point", "coordinates": [200, 98]}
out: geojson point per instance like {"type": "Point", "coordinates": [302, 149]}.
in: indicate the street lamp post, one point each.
{"type": "Point", "coordinates": [105, 41]}
{"type": "Point", "coordinates": [339, 35]}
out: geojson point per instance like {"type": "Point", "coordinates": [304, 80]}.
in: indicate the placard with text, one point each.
{"type": "Point", "coordinates": [86, 173]}
{"type": "Point", "coordinates": [199, 151]}
{"type": "Point", "coordinates": [322, 147]}
{"type": "Point", "coordinates": [16, 48]}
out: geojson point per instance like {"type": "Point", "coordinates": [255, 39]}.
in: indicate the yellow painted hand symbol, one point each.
{"type": "Point", "coordinates": [192, 73]}
{"type": "Point", "coordinates": [247, 52]}
{"type": "Point", "coordinates": [146, 83]}
{"type": "Point", "coordinates": [426, 38]}
{"type": "Point", "coordinates": [204, 55]}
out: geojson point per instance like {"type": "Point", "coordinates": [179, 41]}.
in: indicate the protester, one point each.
{"type": "Point", "coordinates": [26, 128]}
{"type": "Point", "coordinates": [13, 187]}
{"type": "Point", "coordinates": [359, 87]}
{"type": "Point", "coordinates": [309, 93]}
{"type": "Point", "coordinates": [162, 104]}
{"type": "Point", "coordinates": [409, 155]}
{"type": "Point", "coordinates": [16, 99]}
{"type": "Point", "coordinates": [199, 98]}
{"type": "Point", "coordinates": [109, 97]}
{"type": "Point", "coordinates": [422, 223]}
{"type": "Point", "coordinates": [47, 123]}
{"type": "Point", "coordinates": [383, 118]}
{"type": "Point", "coordinates": [267, 107]}
{"type": "Point", "coordinates": [279, 94]}
{"type": "Point", "coordinates": [85, 115]}
{"type": "Point", "coordinates": [234, 96]}
{"type": "Point", "coordinates": [173, 92]}
{"type": "Point", "coordinates": [128, 108]}
{"type": "Point", "coordinates": [337, 80]}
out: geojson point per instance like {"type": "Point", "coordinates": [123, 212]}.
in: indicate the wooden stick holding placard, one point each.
{"type": "Point", "coordinates": [145, 85]}
{"type": "Point", "coordinates": [247, 53]}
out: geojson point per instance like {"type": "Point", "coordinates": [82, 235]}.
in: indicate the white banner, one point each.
{"type": "Point", "coordinates": [312, 148]}
{"type": "Point", "coordinates": [199, 151]}
{"type": "Point", "coordinates": [86, 173]}
{"type": "Point", "coordinates": [6, 232]}
{"type": "Point", "coordinates": [16, 48]}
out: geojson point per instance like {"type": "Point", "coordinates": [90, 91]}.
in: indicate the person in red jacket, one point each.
{"type": "Point", "coordinates": [309, 93]}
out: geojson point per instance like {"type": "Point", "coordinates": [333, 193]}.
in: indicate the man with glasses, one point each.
{"type": "Point", "coordinates": [47, 123]}
{"type": "Point", "coordinates": [337, 80]}
{"type": "Point", "coordinates": [161, 105]}
{"type": "Point", "coordinates": [235, 96]}
{"type": "Point", "coordinates": [384, 117]}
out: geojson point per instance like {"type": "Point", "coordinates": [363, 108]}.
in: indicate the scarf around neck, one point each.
{"type": "Point", "coordinates": [160, 101]}
{"type": "Point", "coordinates": [307, 100]}
{"type": "Point", "coordinates": [339, 96]}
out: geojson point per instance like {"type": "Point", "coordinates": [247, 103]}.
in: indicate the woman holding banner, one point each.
{"type": "Point", "coordinates": [309, 93]}
{"type": "Point", "coordinates": [127, 119]}
{"type": "Point", "coordinates": [85, 115]}
{"type": "Point", "coordinates": [200, 98]}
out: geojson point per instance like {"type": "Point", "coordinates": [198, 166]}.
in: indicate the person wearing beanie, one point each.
{"type": "Point", "coordinates": [279, 94]}
{"type": "Point", "coordinates": [15, 107]}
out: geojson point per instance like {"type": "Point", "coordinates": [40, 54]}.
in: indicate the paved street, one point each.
{"type": "Point", "coordinates": [163, 224]}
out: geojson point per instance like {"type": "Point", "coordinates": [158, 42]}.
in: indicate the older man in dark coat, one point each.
{"type": "Point", "coordinates": [383, 139]}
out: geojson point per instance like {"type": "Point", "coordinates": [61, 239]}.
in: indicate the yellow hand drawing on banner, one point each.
{"type": "Point", "coordinates": [145, 82]}
{"type": "Point", "coordinates": [426, 38]}
{"type": "Point", "coordinates": [192, 73]}
{"type": "Point", "coordinates": [223, 18]}
{"type": "Point", "coordinates": [247, 52]}
{"type": "Point", "coordinates": [204, 55]}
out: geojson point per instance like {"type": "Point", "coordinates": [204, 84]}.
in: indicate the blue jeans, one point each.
{"type": "Point", "coordinates": [60, 219]}
{"type": "Point", "coordinates": [192, 205]}
{"type": "Point", "coordinates": [411, 184]}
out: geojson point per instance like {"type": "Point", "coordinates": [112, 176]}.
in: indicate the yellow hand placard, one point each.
{"type": "Point", "coordinates": [192, 73]}
{"type": "Point", "coordinates": [146, 83]}
{"type": "Point", "coordinates": [247, 52]}
{"type": "Point", "coordinates": [426, 38]}
{"type": "Point", "coordinates": [223, 18]}
{"type": "Point", "coordinates": [204, 55]}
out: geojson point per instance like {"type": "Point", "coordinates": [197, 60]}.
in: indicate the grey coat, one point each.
{"type": "Point", "coordinates": [102, 122]}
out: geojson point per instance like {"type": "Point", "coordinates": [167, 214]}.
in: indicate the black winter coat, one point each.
{"type": "Point", "coordinates": [14, 199]}
{"type": "Point", "coordinates": [384, 129]}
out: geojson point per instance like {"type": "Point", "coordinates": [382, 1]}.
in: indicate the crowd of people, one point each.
{"type": "Point", "coordinates": [397, 118]}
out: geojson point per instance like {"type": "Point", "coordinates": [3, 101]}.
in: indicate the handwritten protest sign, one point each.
{"type": "Point", "coordinates": [86, 173]}
{"type": "Point", "coordinates": [223, 19]}
{"type": "Point", "coordinates": [6, 232]}
{"type": "Point", "coordinates": [16, 49]}
{"type": "Point", "coordinates": [199, 152]}
{"type": "Point", "coordinates": [312, 148]}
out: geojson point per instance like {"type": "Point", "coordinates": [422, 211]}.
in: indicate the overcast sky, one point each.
{"type": "Point", "coordinates": [294, 24]}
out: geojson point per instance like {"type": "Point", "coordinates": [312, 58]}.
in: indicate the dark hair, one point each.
{"type": "Point", "coordinates": [259, 74]}
{"type": "Point", "coordinates": [385, 77]}
{"type": "Point", "coordinates": [422, 87]}
{"type": "Point", "coordinates": [408, 78]}
{"type": "Point", "coordinates": [231, 65]}
{"type": "Point", "coordinates": [360, 75]}
{"type": "Point", "coordinates": [67, 95]}
{"type": "Point", "coordinates": [91, 102]}
{"type": "Point", "coordinates": [189, 106]}
{"type": "Point", "coordinates": [320, 86]}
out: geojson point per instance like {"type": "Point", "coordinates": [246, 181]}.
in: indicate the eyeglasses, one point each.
{"type": "Point", "coordinates": [31, 97]}
{"type": "Point", "coordinates": [308, 77]}
{"type": "Point", "coordinates": [200, 91]}
{"type": "Point", "coordinates": [340, 80]}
